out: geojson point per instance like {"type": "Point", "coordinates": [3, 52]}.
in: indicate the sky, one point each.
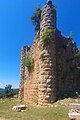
{"type": "Point", "coordinates": [16, 31]}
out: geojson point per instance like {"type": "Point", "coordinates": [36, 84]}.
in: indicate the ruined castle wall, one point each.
{"type": "Point", "coordinates": [24, 51]}
{"type": "Point", "coordinates": [66, 67]}
{"type": "Point", "coordinates": [22, 71]}
{"type": "Point", "coordinates": [47, 75]}
{"type": "Point", "coordinates": [40, 82]}
{"type": "Point", "coordinates": [53, 73]}
{"type": "Point", "coordinates": [32, 77]}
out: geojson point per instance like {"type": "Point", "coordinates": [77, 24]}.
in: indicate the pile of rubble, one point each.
{"type": "Point", "coordinates": [74, 114]}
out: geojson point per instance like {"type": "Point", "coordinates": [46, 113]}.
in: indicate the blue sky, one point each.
{"type": "Point", "coordinates": [16, 31]}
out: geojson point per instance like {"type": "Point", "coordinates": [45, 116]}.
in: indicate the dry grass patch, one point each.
{"type": "Point", "coordinates": [59, 111]}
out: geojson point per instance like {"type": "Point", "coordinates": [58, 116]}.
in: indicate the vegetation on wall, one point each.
{"type": "Point", "coordinates": [75, 59]}
{"type": "Point", "coordinates": [28, 61]}
{"type": "Point", "coordinates": [77, 54]}
{"type": "Point", "coordinates": [47, 35]}
{"type": "Point", "coordinates": [35, 19]}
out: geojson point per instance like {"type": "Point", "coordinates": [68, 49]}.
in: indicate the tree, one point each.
{"type": "Point", "coordinates": [35, 19]}
{"type": "Point", "coordinates": [8, 91]}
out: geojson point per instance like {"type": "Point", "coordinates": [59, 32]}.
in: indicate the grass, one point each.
{"type": "Point", "coordinates": [57, 112]}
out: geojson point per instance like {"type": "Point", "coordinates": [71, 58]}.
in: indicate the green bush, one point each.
{"type": "Point", "coordinates": [1, 95]}
{"type": "Point", "coordinates": [47, 35]}
{"type": "Point", "coordinates": [28, 61]}
{"type": "Point", "coordinates": [78, 54]}
{"type": "Point", "coordinates": [74, 57]}
{"type": "Point", "coordinates": [35, 19]}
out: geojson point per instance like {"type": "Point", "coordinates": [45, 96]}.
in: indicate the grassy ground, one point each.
{"type": "Point", "coordinates": [59, 111]}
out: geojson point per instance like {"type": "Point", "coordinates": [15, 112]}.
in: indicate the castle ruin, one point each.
{"type": "Point", "coordinates": [54, 73]}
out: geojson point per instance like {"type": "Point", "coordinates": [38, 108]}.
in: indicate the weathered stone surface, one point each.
{"type": "Point", "coordinates": [49, 89]}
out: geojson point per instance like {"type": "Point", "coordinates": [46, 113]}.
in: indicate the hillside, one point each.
{"type": "Point", "coordinates": [1, 90]}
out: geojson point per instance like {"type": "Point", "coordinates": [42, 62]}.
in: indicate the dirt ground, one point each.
{"type": "Point", "coordinates": [3, 119]}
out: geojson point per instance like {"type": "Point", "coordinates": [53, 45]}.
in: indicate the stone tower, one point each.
{"type": "Point", "coordinates": [53, 73]}
{"type": "Point", "coordinates": [47, 65]}
{"type": "Point", "coordinates": [48, 17]}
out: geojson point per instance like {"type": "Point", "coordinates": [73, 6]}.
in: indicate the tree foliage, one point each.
{"type": "Point", "coordinates": [8, 90]}
{"type": "Point", "coordinates": [35, 18]}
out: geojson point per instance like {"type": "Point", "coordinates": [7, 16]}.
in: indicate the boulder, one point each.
{"type": "Point", "coordinates": [19, 108]}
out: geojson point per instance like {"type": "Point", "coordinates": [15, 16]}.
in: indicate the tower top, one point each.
{"type": "Point", "coordinates": [49, 2]}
